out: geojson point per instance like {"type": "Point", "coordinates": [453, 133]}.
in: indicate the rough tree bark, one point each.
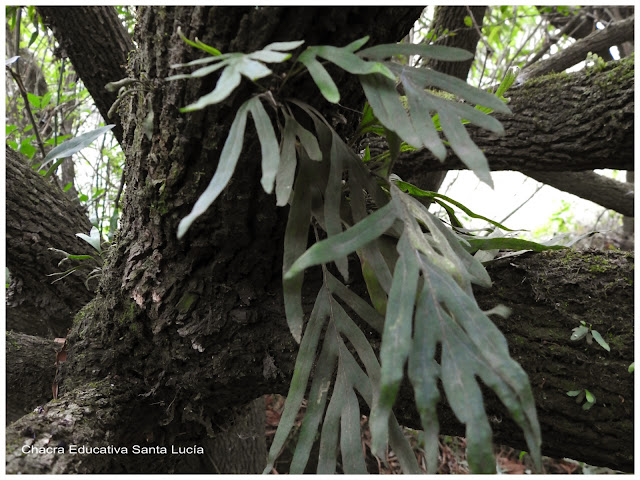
{"type": "Point", "coordinates": [39, 218]}
{"type": "Point", "coordinates": [561, 122]}
{"type": "Point", "coordinates": [182, 332]}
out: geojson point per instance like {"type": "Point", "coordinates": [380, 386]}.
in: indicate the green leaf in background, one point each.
{"type": "Point", "coordinates": [475, 244]}
{"type": "Point", "coordinates": [69, 147]}
{"type": "Point", "coordinates": [198, 44]}
{"type": "Point", "coordinates": [226, 167]}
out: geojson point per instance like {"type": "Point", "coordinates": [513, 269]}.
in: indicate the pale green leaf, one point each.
{"type": "Point", "coordinates": [350, 435]}
{"type": "Point", "coordinates": [320, 76]}
{"type": "Point", "coordinates": [464, 147]}
{"type": "Point", "coordinates": [75, 144]}
{"type": "Point", "coordinates": [268, 144]}
{"type": "Point", "coordinates": [251, 69]}
{"type": "Point", "coordinates": [309, 142]}
{"type": "Point", "coordinates": [328, 454]}
{"type": "Point", "coordinates": [284, 46]}
{"type": "Point", "coordinates": [201, 72]}
{"type": "Point", "coordinates": [427, 77]}
{"type": "Point", "coordinates": [356, 44]}
{"type": "Point", "coordinates": [357, 304]}
{"type": "Point", "coordinates": [227, 83]}
{"type": "Point", "coordinates": [345, 243]}
{"type": "Point", "coordinates": [92, 239]}
{"type": "Point", "coordinates": [226, 167]}
{"type": "Point", "coordinates": [598, 338]}
{"type": "Point", "coordinates": [579, 332]}
{"type": "Point", "coordinates": [589, 396]}
{"type": "Point", "coordinates": [423, 373]}
{"type": "Point", "coordinates": [268, 56]}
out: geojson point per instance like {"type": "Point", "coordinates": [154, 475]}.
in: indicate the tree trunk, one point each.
{"type": "Point", "coordinates": [181, 333]}
{"type": "Point", "coordinates": [210, 301]}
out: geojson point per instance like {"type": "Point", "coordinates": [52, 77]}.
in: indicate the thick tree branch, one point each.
{"type": "Point", "coordinates": [39, 217]}
{"type": "Point", "coordinates": [604, 191]}
{"type": "Point", "coordinates": [565, 122]}
{"type": "Point", "coordinates": [549, 294]}
{"type": "Point", "coordinates": [614, 34]}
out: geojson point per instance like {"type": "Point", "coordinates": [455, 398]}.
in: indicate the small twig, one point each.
{"type": "Point", "coordinates": [522, 204]}
{"type": "Point", "coordinates": [25, 96]}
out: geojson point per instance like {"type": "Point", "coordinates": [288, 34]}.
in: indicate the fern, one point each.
{"type": "Point", "coordinates": [418, 271]}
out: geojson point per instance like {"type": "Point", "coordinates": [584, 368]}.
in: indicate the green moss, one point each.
{"type": "Point", "coordinates": [12, 341]}
{"type": "Point", "coordinates": [186, 302]}
{"type": "Point", "coordinates": [129, 315]}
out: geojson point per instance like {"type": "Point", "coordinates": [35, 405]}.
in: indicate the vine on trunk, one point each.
{"type": "Point", "coordinates": [418, 270]}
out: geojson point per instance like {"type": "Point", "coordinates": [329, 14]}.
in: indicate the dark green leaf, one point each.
{"type": "Point", "coordinates": [345, 243]}
{"type": "Point", "coordinates": [332, 201]}
{"type": "Point", "coordinates": [396, 340]}
{"type": "Point", "coordinates": [295, 243]}
{"type": "Point", "coordinates": [351, 62]}
{"type": "Point", "coordinates": [476, 244]}
{"type": "Point", "coordinates": [302, 369]}
{"type": "Point", "coordinates": [437, 52]}
{"type": "Point", "coordinates": [288, 162]}
{"type": "Point", "coordinates": [385, 102]}
{"type": "Point", "coordinates": [317, 400]}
